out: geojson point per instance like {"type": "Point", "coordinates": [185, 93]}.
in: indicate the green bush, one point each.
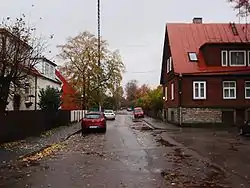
{"type": "Point", "coordinates": [50, 99]}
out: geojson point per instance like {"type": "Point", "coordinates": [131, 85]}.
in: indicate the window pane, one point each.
{"type": "Point", "coordinates": [232, 84]}
{"type": "Point", "coordinates": [202, 92]}
{"type": "Point", "coordinates": [225, 84]}
{"type": "Point", "coordinates": [247, 84]}
{"type": "Point", "coordinates": [224, 58]}
{"type": "Point", "coordinates": [247, 92]}
{"type": "Point", "coordinates": [231, 93]}
{"type": "Point", "coordinates": [237, 58]}
{"type": "Point", "coordinates": [47, 69]}
{"type": "Point", "coordinates": [196, 92]}
{"type": "Point", "coordinates": [226, 93]}
{"type": "Point", "coordinates": [192, 56]}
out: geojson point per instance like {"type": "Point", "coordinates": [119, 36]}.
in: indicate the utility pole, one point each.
{"type": "Point", "coordinates": [99, 50]}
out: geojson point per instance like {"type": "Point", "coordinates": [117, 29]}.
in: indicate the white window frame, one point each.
{"type": "Point", "coordinates": [170, 64]}
{"type": "Point", "coordinates": [167, 65]}
{"type": "Point", "coordinates": [222, 58]}
{"type": "Point", "coordinates": [192, 54]}
{"type": "Point", "coordinates": [199, 89]}
{"type": "Point", "coordinates": [230, 59]}
{"type": "Point", "coordinates": [172, 91]}
{"type": "Point", "coordinates": [235, 88]}
{"type": "Point", "coordinates": [166, 93]}
{"type": "Point", "coordinates": [47, 69]}
{"type": "Point", "coordinates": [27, 91]}
{"type": "Point", "coordinates": [248, 56]}
{"type": "Point", "coordinates": [246, 88]}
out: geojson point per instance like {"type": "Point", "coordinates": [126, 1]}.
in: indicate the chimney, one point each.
{"type": "Point", "coordinates": [197, 20]}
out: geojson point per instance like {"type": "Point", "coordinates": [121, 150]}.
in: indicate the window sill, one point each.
{"type": "Point", "coordinates": [199, 98]}
{"type": "Point", "coordinates": [237, 65]}
{"type": "Point", "coordinates": [229, 98]}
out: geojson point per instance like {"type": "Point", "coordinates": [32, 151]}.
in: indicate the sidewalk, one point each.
{"type": "Point", "coordinates": [13, 150]}
{"type": "Point", "coordinates": [158, 124]}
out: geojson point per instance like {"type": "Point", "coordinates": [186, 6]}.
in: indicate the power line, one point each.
{"type": "Point", "coordinates": [142, 72]}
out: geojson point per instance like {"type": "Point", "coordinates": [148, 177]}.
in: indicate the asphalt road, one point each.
{"type": "Point", "coordinates": [128, 155]}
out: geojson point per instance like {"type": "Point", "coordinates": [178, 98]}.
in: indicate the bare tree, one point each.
{"type": "Point", "coordinates": [242, 7]}
{"type": "Point", "coordinates": [19, 53]}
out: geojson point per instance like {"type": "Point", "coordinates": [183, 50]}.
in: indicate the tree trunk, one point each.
{"type": "Point", "coordinates": [4, 94]}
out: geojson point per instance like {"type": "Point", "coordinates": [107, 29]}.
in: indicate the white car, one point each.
{"type": "Point", "coordinates": [109, 114]}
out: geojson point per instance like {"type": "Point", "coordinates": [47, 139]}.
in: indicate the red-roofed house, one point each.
{"type": "Point", "coordinates": [206, 73]}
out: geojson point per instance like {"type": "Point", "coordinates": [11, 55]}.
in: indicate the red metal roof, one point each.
{"type": "Point", "coordinates": [68, 95]}
{"type": "Point", "coordinates": [189, 37]}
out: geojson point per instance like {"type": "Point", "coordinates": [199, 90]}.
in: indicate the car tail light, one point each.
{"type": "Point", "coordinates": [103, 120]}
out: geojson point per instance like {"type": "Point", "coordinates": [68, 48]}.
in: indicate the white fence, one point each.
{"type": "Point", "coordinates": [76, 115]}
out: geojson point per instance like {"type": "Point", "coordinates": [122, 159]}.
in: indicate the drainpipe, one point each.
{"type": "Point", "coordinates": [36, 92]}
{"type": "Point", "coordinates": [180, 98]}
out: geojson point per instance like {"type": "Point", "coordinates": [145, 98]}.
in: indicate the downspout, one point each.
{"type": "Point", "coordinates": [180, 98]}
{"type": "Point", "coordinates": [36, 92]}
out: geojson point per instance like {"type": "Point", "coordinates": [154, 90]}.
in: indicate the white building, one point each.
{"type": "Point", "coordinates": [28, 98]}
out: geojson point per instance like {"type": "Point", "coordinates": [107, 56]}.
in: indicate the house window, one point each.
{"type": "Point", "coordinates": [237, 58]}
{"type": "Point", "coordinates": [166, 93]}
{"type": "Point", "coordinates": [170, 63]}
{"type": "Point", "coordinates": [248, 58]}
{"type": "Point", "coordinates": [229, 90]}
{"type": "Point", "coordinates": [52, 71]}
{"type": "Point", "coordinates": [172, 91]}
{"type": "Point", "coordinates": [199, 90]}
{"type": "Point", "coordinates": [168, 66]}
{"type": "Point", "coordinates": [224, 58]}
{"type": "Point", "coordinates": [46, 69]}
{"type": "Point", "coordinates": [43, 67]}
{"type": "Point", "coordinates": [27, 92]}
{"type": "Point", "coordinates": [247, 90]}
{"type": "Point", "coordinates": [192, 56]}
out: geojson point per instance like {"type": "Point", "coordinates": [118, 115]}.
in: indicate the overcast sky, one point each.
{"type": "Point", "coordinates": [135, 27]}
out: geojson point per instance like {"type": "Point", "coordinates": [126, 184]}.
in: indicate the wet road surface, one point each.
{"type": "Point", "coordinates": [128, 155]}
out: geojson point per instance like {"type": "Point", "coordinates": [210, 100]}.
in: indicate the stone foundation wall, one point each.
{"type": "Point", "coordinates": [201, 115]}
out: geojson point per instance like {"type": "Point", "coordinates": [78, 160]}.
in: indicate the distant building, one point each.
{"type": "Point", "coordinates": [206, 73]}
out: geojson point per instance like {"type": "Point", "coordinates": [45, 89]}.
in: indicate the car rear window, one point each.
{"type": "Point", "coordinates": [92, 116]}
{"type": "Point", "coordinates": [108, 111]}
{"type": "Point", "coordinates": [138, 110]}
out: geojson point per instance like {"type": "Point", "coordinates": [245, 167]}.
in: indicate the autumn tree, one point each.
{"type": "Point", "coordinates": [19, 53]}
{"type": "Point", "coordinates": [131, 89]}
{"type": "Point", "coordinates": [80, 54]}
{"type": "Point", "coordinates": [142, 91]}
{"type": "Point", "coordinates": [151, 101]}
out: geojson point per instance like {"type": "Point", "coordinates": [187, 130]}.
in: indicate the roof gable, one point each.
{"type": "Point", "coordinates": [186, 37]}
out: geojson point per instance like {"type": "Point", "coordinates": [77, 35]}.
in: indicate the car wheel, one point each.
{"type": "Point", "coordinates": [104, 130]}
{"type": "Point", "coordinates": [84, 132]}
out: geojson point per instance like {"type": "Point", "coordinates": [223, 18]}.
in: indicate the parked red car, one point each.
{"type": "Point", "coordinates": [138, 112]}
{"type": "Point", "coordinates": [94, 120]}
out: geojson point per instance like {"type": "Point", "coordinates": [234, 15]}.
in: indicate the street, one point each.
{"type": "Point", "coordinates": [130, 154]}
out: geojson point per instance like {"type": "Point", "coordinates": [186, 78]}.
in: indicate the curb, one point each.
{"type": "Point", "coordinates": [149, 124]}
